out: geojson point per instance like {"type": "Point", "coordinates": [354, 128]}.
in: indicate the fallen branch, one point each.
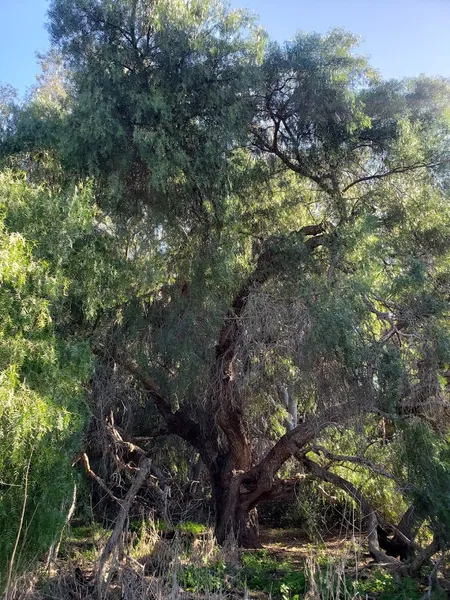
{"type": "Point", "coordinates": [142, 474]}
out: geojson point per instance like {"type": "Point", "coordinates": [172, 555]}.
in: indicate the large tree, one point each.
{"type": "Point", "coordinates": [272, 230]}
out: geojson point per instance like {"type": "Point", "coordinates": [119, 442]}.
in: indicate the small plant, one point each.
{"type": "Point", "coordinates": [262, 572]}
{"type": "Point", "coordinates": [194, 528]}
{"type": "Point", "coordinates": [205, 579]}
{"type": "Point", "coordinates": [386, 587]}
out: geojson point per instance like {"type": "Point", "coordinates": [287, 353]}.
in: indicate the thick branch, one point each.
{"type": "Point", "coordinates": [282, 489]}
{"type": "Point", "coordinates": [266, 267]}
{"type": "Point", "coordinates": [422, 557]}
{"type": "Point", "coordinates": [368, 513]}
{"type": "Point", "coordinates": [287, 446]}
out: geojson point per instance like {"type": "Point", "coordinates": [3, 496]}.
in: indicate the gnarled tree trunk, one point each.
{"type": "Point", "coordinates": [234, 518]}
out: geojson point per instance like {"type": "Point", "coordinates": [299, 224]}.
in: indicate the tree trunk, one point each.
{"type": "Point", "coordinates": [233, 517]}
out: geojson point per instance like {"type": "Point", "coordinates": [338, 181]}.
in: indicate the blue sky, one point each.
{"type": "Point", "coordinates": [402, 37]}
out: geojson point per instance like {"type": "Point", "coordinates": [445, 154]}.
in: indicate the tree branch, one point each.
{"type": "Point", "coordinates": [85, 460]}
{"type": "Point", "coordinates": [368, 513]}
{"type": "Point", "coordinates": [358, 460]}
{"type": "Point", "coordinates": [144, 470]}
{"type": "Point", "coordinates": [287, 446]}
{"type": "Point", "coordinates": [178, 422]}
{"type": "Point", "coordinates": [394, 171]}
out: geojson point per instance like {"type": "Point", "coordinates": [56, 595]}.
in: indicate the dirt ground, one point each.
{"type": "Point", "coordinates": [294, 546]}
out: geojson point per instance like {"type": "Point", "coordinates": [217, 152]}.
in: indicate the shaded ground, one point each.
{"type": "Point", "coordinates": [294, 546]}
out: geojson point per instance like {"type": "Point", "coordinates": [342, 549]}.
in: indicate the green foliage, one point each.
{"type": "Point", "coordinates": [192, 528]}
{"type": "Point", "coordinates": [42, 403]}
{"type": "Point", "coordinates": [262, 572]}
{"type": "Point", "coordinates": [259, 571]}
{"type": "Point", "coordinates": [159, 99]}
{"type": "Point", "coordinates": [386, 587]}
{"type": "Point", "coordinates": [424, 461]}
{"type": "Point", "coordinates": [172, 157]}
{"type": "Point", "coordinates": [204, 579]}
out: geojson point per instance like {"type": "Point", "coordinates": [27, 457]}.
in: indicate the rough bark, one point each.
{"type": "Point", "coordinates": [249, 488]}
{"type": "Point", "coordinates": [422, 558]}
{"type": "Point", "coordinates": [235, 511]}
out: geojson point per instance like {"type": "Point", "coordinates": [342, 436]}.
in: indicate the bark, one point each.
{"type": "Point", "coordinates": [236, 507]}
{"type": "Point", "coordinates": [422, 558]}
{"type": "Point", "coordinates": [235, 514]}
{"type": "Point", "coordinates": [234, 518]}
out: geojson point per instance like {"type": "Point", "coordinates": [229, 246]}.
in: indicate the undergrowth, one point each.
{"type": "Point", "coordinates": [188, 565]}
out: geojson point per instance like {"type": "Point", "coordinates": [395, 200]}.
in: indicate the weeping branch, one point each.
{"type": "Point", "coordinates": [358, 460]}
{"type": "Point", "coordinates": [368, 513]}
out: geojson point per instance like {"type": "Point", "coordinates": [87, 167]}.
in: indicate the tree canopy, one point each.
{"type": "Point", "coordinates": [241, 244]}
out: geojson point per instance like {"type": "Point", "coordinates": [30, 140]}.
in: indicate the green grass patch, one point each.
{"type": "Point", "coordinates": [214, 578]}
{"type": "Point", "coordinates": [386, 587]}
{"type": "Point", "coordinates": [262, 572]}
{"type": "Point", "coordinates": [191, 527]}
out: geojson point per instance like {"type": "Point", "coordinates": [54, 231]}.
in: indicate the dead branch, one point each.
{"type": "Point", "coordinates": [85, 460]}
{"type": "Point", "coordinates": [179, 422]}
{"type": "Point", "coordinates": [144, 470]}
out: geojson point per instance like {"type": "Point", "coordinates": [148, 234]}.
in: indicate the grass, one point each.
{"type": "Point", "coordinates": [257, 572]}
{"type": "Point", "coordinates": [153, 565]}
{"type": "Point", "coordinates": [261, 571]}
{"type": "Point", "coordinates": [195, 529]}
{"type": "Point", "coordinates": [383, 586]}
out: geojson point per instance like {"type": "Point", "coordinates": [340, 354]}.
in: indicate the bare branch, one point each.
{"type": "Point", "coordinates": [123, 513]}
{"type": "Point", "coordinates": [179, 422]}
{"type": "Point", "coordinates": [395, 171]}
{"type": "Point", "coordinates": [359, 460]}
{"type": "Point", "coordinates": [85, 460]}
